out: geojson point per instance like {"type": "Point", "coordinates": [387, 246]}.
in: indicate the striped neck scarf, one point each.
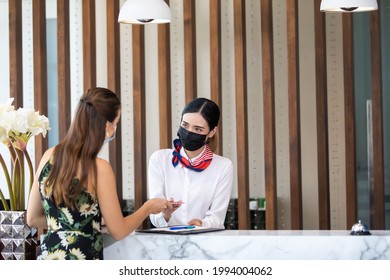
{"type": "Point", "coordinates": [198, 165]}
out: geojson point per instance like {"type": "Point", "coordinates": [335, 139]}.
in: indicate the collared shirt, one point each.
{"type": "Point", "coordinates": [205, 194]}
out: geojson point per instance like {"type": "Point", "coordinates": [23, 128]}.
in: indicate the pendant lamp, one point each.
{"type": "Point", "coordinates": [348, 5]}
{"type": "Point", "coordinates": [144, 12]}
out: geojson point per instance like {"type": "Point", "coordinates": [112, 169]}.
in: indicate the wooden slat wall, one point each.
{"type": "Point", "coordinates": [40, 70]}
{"type": "Point", "coordinates": [139, 110]}
{"type": "Point", "coordinates": [114, 84]}
{"type": "Point", "coordinates": [322, 118]}
{"type": "Point", "coordinates": [378, 207]}
{"type": "Point", "coordinates": [241, 111]}
{"type": "Point", "coordinates": [294, 115]}
{"type": "Point", "coordinates": [139, 115]}
{"type": "Point", "coordinates": [190, 50]}
{"type": "Point", "coordinates": [164, 85]}
{"type": "Point", "coordinates": [267, 49]}
{"type": "Point", "coordinates": [216, 63]}
{"type": "Point", "coordinates": [89, 43]}
{"type": "Point", "coordinates": [63, 56]}
{"type": "Point", "coordinates": [349, 111]}
{"type": "Point", "coordinates": [15, 52]}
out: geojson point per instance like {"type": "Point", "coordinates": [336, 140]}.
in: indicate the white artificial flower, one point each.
{"type": "Point", "coordinates": [3, 133]}
{"type": "Point", "coordinates": [7, 113]}
{"type": "Point", "coordinates": [22, 120]}
{"type": "Point", "coordinates": [16, 128]}
{"type": "Point", "coordinates": [7, 107]}
{"type": "Point", "coordinates": [20, 124]}
{"type": "Point", "coordinates": [37, 124]}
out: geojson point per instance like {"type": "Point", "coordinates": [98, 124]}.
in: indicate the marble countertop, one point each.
{"type": "Point", "coordinates": [251, 244]}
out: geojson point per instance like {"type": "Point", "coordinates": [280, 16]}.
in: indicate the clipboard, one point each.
{"type": "Point", "coordinates": [168, 230]}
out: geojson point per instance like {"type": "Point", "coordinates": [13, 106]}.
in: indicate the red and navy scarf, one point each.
{"type": "Point", "coordinates": [198, 165]}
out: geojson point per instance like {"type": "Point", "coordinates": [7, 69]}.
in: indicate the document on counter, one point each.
{"type": "Point", "coordinates": [179, 229]}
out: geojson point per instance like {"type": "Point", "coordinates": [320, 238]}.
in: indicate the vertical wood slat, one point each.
{"type": "Point", "coordinates": [139, 115]}
{"type": "Point", "coordinates": [89, 43]}
{"type": "Point", "coordinates": [40, 73]}
{"type": "Point", "coordinates": [190, 66]}
{"type": "Point", "coordinates": [322, 118]}
{"type": "Point", "coordinates": [216, 63]}
{"type": "Point", "coordinates": [241, 118]}
{"type": "Point", "coordinates": [349, 111]}
{"type": "Point", "coordinates": [114, 84]}
{"type": "Point", "coordinates": [164, 85]}
{"type": "Point", "coordinates": [294, 115]}
{"type": "Point", "coordinates": [378, 214]}
{"type": "Point", "coordinates": [267, 49]}
{"type": "Point", "coordinates": [16, 52]}
{"type": "Point", "coordinates": [40, 70]}
{"type": "Point", "coordinates": [63, 57]}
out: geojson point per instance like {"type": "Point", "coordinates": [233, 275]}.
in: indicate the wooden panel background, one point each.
{"type": "Point", "coordinates": [15, 52]}
{"type": "Point", "coordinates": [378, 207]}
{"type": "Point", "coordinates": [294, 115]}
{"type": "Point", "coordinates": [114, 84]}
{"type": "Point", "coordinates": [190, 50]}
{"type": "Point", "coordinates": [164, 83]}
{"type": "Point", "coordinates": [40, 70]}
{"type": "Point", "coordinates": [216, 63]}
{"type": "Point", "coordinates": [241, 113]}
{"type": "Point", "coordinates": [322, 119]}
{"type": "Point", "coordinates": [238, 62]}
{"type": "Point", "coordinates": [349, 103]}
{"type": "Point", "coordinates": [89, 43]}
{"type": "Point", "coordinates": [139, 114]}
{"type": "Point", "coordinates": [63, 43]}
{"type": "Point", "coordinates": [269, 114]}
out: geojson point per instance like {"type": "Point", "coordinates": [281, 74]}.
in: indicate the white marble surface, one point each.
{"type": "Point", "coordinates": [251, 245]}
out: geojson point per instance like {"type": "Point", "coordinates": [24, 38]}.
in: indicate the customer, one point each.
{"type": "Point", "coordinates": [196, 181]}
{"type": "Point", "coordinates": [73, 188]}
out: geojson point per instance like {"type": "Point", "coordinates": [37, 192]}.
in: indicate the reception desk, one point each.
{"type": "Point", "coordinates": [250, 245]}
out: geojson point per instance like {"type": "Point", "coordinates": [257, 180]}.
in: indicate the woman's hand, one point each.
{"type": "Point", "coordinates": [157, 205]}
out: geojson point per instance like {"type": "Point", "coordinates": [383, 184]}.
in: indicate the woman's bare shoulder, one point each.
{"type": "Point", "coordinates": [47, 154]}
{"type": "Point", "coordinates": [105, 174]}
{"type": "Point", "coordinates": [103, 165]}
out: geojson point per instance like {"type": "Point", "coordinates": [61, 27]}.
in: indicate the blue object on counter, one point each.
{"type": "Point", "coordinates": [181, 227]}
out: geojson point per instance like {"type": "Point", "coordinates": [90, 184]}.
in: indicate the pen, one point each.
{"type": "Point", "coordinates": [181, 227]}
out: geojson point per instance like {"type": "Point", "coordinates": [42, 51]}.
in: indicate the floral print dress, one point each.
{"type": "Point", "coordinates": [71, 235]}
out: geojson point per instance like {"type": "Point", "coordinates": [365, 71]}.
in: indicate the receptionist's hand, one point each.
{"type": "Point", "coordinates": [168, 211]}
{"type": "Point", "coordinates": [195, 222]}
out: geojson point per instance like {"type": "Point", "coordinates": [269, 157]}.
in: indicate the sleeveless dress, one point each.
{"type": "Point", "coordinates": [71, 235]}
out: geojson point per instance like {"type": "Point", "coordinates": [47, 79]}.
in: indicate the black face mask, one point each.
{"type": "Point", "coordinates": [191, 141]}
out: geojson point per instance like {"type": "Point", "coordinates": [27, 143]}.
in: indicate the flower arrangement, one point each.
{"type": "Point", "coordinates": [16, 129]}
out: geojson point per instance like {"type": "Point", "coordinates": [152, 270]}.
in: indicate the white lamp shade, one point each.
{"type": "Point", "coordinates": [348, 5]}
{"type": "Point", "coordinates": [144, 12]}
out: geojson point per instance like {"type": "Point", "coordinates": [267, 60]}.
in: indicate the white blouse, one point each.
{"type": "Point", "coordinates": [205, 194]}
